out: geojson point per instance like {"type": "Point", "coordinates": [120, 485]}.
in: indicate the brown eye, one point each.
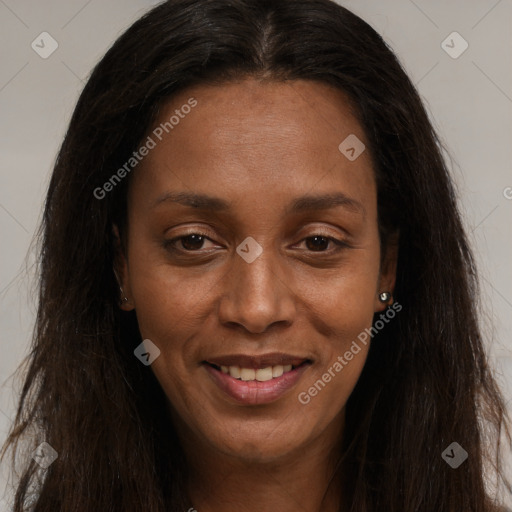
{"type": "Point", "coordinates": [317, 243]}
{"type": "Point", "coordinates": [192, 242]}
{"type": "Point", "coordinates": [325, 244]}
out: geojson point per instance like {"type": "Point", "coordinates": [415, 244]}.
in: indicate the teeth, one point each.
{"type": "Point", "coordinates": [277, 371]}
{"type": "Point", "coordinates": [247, 374]}
{"type": "Point", "coordinates": [234, 371]}
{"type": "Point", "coordinates": [264, 374]}
{"type": "Point", "coordinates": [261, 375]}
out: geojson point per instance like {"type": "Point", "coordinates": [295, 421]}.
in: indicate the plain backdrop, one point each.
{"type": "Point", "coordinates": [469, 99]}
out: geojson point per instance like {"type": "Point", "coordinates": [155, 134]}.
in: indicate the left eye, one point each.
{"type": "Point", "coordinates": [319, 243]}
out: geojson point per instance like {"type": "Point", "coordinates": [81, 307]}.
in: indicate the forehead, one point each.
{"type": "Point", "coordinates": [253, 137]}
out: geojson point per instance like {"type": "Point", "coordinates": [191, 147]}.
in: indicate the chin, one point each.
{"type": "Point", "coordinates": [257, 452]}
{"type": "Point", "coordinates": [257, 444]}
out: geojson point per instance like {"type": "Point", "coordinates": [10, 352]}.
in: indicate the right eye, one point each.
{"type": "Point", "coordinates": [190, 242]}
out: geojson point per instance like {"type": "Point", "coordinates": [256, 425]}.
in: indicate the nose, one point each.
{"type": "Point", "coordinates": [257, 295]}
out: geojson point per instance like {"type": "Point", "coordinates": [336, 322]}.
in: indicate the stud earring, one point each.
{"type": "Point", "coordinates": [124, 298]}
{"type": "Point", "coordinates": [385, 297]}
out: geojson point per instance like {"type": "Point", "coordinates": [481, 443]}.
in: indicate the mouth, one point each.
{"type": "Point", "coordinates": [263, 374]}
{"type": "Point", "coordinates": [256, 380]}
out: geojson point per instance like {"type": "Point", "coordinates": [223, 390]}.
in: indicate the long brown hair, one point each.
{"type": "Point", "coordinates": [426, 382]}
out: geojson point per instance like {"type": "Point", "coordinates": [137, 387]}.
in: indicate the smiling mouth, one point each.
{"type": "Point", "coordinates": [257, 374]}
{"type": "Point", "coordinates": [258, 380]}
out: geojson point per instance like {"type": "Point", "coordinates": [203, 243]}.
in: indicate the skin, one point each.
{"type": "Point", "coordinates": [259, 145]}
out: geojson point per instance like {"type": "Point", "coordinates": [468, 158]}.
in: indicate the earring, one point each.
{"type": "Point", "coordinates": [385, 297]}
{"type": "Point", "coordinates": [124, 298]}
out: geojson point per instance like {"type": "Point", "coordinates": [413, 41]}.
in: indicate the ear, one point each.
{"type": "Point", "coordinates": [121, 272]}
{"type": "Point", "coordinates": [387, 276]}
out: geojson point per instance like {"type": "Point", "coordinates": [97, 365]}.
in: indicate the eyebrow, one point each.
{"type": "Point", "coordinates": [298, 205]}
{"type": "Point", "coordinates": [325, 202]}
{"type": "Point", "coordinates": [200, 201]}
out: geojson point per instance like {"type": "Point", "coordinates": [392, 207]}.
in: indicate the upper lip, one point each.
{"type": "Point", "coordinates": [257, 362]}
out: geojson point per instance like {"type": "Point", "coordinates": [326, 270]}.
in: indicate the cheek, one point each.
{"type": "Point", "coordinates": [171, 304]}
{"type": "Point", "coordinates": [165, 300]}
{"type": "Point", "coordinates": [343, 310]}
{"type": "Point", "coordinates": [341, 357]}
{"type": "Point", "coordinates": [165, 295]}
{"type": "Point", "coordinates": [326, 392]}
{"type": "Point", "coordinates": [345, 297]}
{"type": "Point", "coordinates": [171, 311]}
{"type": "Point", "coordinates": [171, 308]}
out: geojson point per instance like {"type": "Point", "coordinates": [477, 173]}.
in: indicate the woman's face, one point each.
{"type": "Point", "coordinates": [276, 262]}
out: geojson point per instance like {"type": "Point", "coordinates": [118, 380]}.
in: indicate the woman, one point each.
{"type": "Point", "coordinates": [256, 291]}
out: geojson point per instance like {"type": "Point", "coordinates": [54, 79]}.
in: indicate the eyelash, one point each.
{"type": "Point", "coordinates": [340, 244]}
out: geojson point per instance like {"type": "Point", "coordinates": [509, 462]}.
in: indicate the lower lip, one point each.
{"type": "Point", "coordinates": [254, 392]}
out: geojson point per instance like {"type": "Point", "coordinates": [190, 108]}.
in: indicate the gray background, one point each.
{"type": "Point", "coordinates": [469, 99]}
